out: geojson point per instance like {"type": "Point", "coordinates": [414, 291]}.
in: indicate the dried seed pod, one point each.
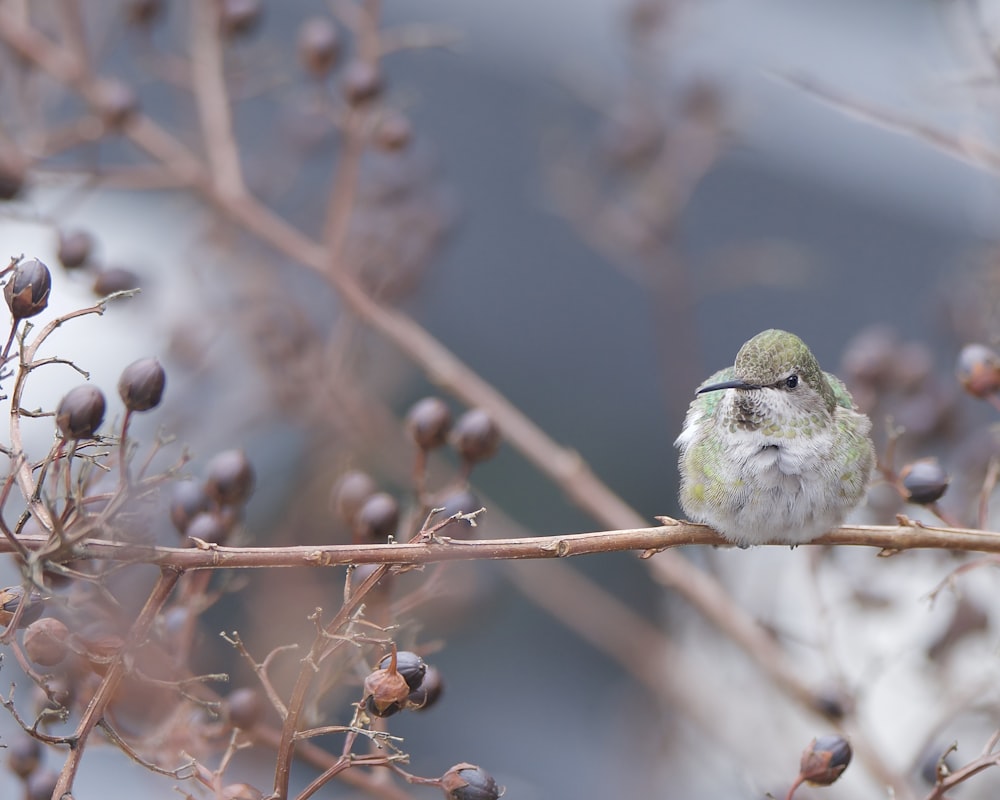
{"type": "Point", "coordinates": [912, 367]}
{"type": "Point", "coordinates": [924, 480]}
{"type": "Point", "coordinates": [429, 691]}
{"type": "Point", "coordinates": [386, 691]}
{"type": "Point", "coordinates": [377, 519]}
{"type": "Point", "coordinates": [318, 45]}
{"type": "Point", "coordinates": [824, 760]}
{"type": "Point", "coordinates": [241, 791]}
{"type": "Point", "coordinates": [244, 708]}
{"type": "Point", "coordinates": [45, 641]}
{"type": "Point", "coordinates": [10, 599]}
{"type": "Point", "coordinates": [230, 478]}
{"type": "Point", "coordinates": [469, 782]}
{"type": "Point", "coordinates": [188, 499]}
{"type": "Point", "coordinates": [80, 412]}
{"type": "Point", "coordinates": [978, 370]}
{"type": "Point", "coordinates": [143, 13]}
{"type": "Point", "coordinates": [207, 526]}
{"type": "Point", "coordinates": [27, 289]}
{"type": "Point", "coordinates": [428, 422]}
{"type": "Point", "coordinates": [41, 784]}
{"type": "Point", "coordinates": [350, 492]}
{"type": "Point", "coordinates": [23, 755]}
{"type": "Point", "coordinates": [13, 176]}
{"type": "Point", "coordinates": [409, 665]}
{"type": "Point", "coordinates": [869, 356]}
{"type": "Point", "coordinates": [75, 248]}
{"type": "Point", "coordinates": [141, 384]}
{"type": "Point", "coordinates": [361, 82]}
{"type": "Point", "coordinates": [239, 17]}
{"type": "Point", "coordinates": [393, 130]}
{"type": "Point", "coordinates": [475, 436]}
{"type": "Point", "coordinates": [833, 703]}
{"type": "Point", "coordinates": [115, 279]}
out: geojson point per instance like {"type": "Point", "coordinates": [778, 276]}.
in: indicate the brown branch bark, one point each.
{"type": "Point", "coordinates": [887, 539]}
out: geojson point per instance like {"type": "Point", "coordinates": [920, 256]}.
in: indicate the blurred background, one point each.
{"type": "Point", "coordinates": [592, 205]}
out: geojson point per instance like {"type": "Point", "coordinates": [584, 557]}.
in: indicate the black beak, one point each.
{"type": "Point", "coordinates": [715, 387]}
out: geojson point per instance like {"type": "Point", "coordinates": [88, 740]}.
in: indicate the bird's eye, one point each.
{"type": "Point", "coordinates": [792, 381]}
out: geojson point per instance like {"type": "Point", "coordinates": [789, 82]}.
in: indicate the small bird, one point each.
{"type": "Point", "coordinates": [773, 448]}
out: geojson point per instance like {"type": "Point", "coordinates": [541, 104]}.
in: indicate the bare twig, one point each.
{"type": "Point", "coordinates": [113, 677]}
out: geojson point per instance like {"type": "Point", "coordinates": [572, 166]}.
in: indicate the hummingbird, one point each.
{"type": "Point", "coordinates": [773, 449]}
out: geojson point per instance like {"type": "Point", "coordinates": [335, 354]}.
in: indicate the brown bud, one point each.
{"type": "Point", "coordinates": [23, 755]}
{"type": "Point", "coordinates": [207, 526]}
{"type": "Point", "coordinates": [143, 13]}
{"type": "Point", "coordinates": [230, 478]}
{"type": "Point", "coordinates": [41, 784]}
{"type": "Point", "coordinates": [187, 500]}
{"type": "Point", "coordinates": [429, 691]}
{"type": "Point", "coordinates": [361, 82]}
{"type": "Point", "coordinates": [978, 370]}
{"type": "Point", "coordinates": [27, 289]}
{"type": "Point", "coordinates": [75, 248]}
{"type": "Point", "coordinates": [924, 481]}
{"type": "Point", "coordinates": [241, 791]}
{"type": "Point", "coordinates": [833, 703]}
{"type": "Point", "coordinates": [824, 760]}
{"type": "Point", "coordinates": [428, 422]}
{"type": "Point", "coordinates": [377, 519]}
{"type": "Point", "coordinates": [393, 130]}
{"type": "Point", "coordinates": [409, 665]}
{"type": "Point", "coordinates": [318, 45]}
{"type": "Point", "coordinates": [469, 782]}
{"type": "Point", "coordinates": [10, 599]}
{"type": "Point", "coordinates": [386, 691]}
{"type": "Point", "coordinates": [114, 279]}
{"type": "Point", "coordinates": [870, 355]}
{"type": "Point", "coordinates": [244, 708]}
{"type": "Point", "coordinates": [80, 412]}
{"type": "Point", "coordinates": [475, 436]}
{"type": "Point", "coordinates": [13, 176]}
{"type": "Point", "coordinates": [45, 641]}
{"type": "Point", "coordinates": [350, 492]}
{"type": "Point", "coordinates": [239, 17]}
{"type": "Point", "coordinates": [141, 384]}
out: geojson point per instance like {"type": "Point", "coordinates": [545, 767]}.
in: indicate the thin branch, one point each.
{"type": "Point", "coordinates": [212, 98]}
{"type": "Point", "coordinates": [94, 713]}
{"type": "Point", "coordinates": [889, 540]}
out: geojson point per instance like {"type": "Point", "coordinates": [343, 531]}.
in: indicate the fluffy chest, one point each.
{"type": "Point", "coordinates": [781, 462]}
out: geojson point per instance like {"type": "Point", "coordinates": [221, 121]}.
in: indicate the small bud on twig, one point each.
{"type": "Point", "coordinates": [428, 422]}
{"type": "Point", "coordinates": [924, 481]}
{"type": "Point", "coordinates": [141, 384]}
{"type": "Point", "coordinates": [978, 370]}
{"type": "Point", "coordinates": [80, 412]}
{"type": "Point", "coordinates": [475, 436]}
{"type": "Point", "coordinates": [469, 782]}
{"type": "Point", "coordinates": [824, 760]}
{"type": "Point", "coordinates": [27, 290]}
